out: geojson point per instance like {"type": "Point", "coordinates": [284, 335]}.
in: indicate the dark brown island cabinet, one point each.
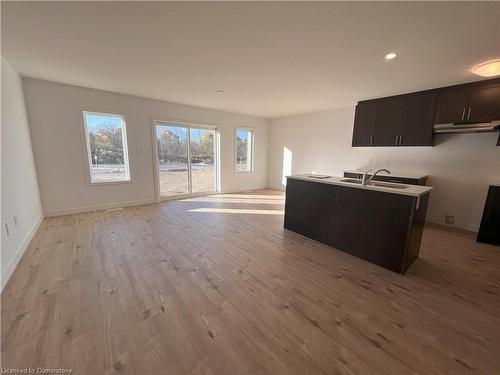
{"type": "Point", "coordinates": [409, 119]}
{"type": "Point", "coordinates": [382, 226]}
{"type": "Point", "coordinates": [489, 231]}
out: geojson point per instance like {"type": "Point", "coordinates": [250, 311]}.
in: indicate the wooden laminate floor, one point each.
{"type": "Point", "coordinates": [216, 286]}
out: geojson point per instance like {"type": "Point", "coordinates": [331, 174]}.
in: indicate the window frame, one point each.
{"type": "Point", "coordinates": [252, 149]}
{"type": "Point", "coordinates": [126, 159]}
{"type": "Point", "coordinates": [155, 120]}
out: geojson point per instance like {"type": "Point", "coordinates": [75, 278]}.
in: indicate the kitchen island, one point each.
{"type": "Point", "coordinates": [380, 222]}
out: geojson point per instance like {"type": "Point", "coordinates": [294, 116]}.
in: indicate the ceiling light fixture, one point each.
{"type": "Point", "coordinates": [220, 92]}
{"type": "Point", "coordinates": [390, 56]}
{"type": "Point", "coordinates": [487, 69]}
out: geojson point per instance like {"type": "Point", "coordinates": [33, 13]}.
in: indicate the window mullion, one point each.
{"type": "Point", "coordinates": [190, 182]}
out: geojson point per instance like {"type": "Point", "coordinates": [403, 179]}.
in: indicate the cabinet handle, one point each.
{"type": "Point", "coordinates": [468, 113]}
{"type": "Point", "coordinates": [400, 139]}
{"type": "Point", "coordinates": [463, 113]}
{"type": "Point", "coordinates": [397, 140]}
{"type": "Point", "coordinates": [371, 140]}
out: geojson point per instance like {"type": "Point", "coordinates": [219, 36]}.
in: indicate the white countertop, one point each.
{"type": "Point", "coordinates": [412, 190]}
{"type": "Point", "coordinates": [495, 182]}
{"type": "Point", "coordinates": [393, 173]}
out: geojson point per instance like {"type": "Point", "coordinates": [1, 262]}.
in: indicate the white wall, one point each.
{"type": "Point", "coordinates": [55, 114]}
{"type": "Point", "coordinates": [20, 195]}
{"type": "Point", "coordinates": [459, 165]}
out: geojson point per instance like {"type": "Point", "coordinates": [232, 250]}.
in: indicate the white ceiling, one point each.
{"type": "Point", "coordinates": [271, 59]}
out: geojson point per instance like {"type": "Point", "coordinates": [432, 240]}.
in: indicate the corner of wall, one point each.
{"type": "Point", "coordinates": [22, 206]}
{"type": "Point", "coordinates": [458, 224]}
{"type": "Point", "coordinates": [269, 153]}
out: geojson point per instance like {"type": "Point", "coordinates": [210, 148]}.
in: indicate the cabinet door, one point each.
{"type": "Point", "coordinates": [489, 232]}
{"type": "Point", "coordinates": [484, 102]}
{"type": "Point", "coordinates": [372, 225]}
{"type": "Point", "coordinates": [418, 123]}
{"type": "Point", "coordinates": [308, 208]}
{"type": "Point", "coordinates": [388, 124]}
{"type": "Point", "coordinates": [452, 105]}
{"type": "Point", "coordinates": [364, 124]}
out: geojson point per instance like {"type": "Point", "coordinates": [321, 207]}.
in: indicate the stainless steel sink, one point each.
{"type": "Point", "coordinates": [392, 186]}
{"type": "Point", "coordinates": [318, 176]}
{"type": "Point", "coordinates": [375, 183]}
{"type": "Point", "coordinates": [351, 180]}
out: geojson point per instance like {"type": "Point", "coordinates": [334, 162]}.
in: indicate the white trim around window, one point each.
{"type": "Point", "coordinates": [250, 150]}
{"type": "Point", "coordinates": [121, 175]}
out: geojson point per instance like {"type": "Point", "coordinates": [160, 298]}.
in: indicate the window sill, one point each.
{"type": "Point", "coordinates": [104, 183]}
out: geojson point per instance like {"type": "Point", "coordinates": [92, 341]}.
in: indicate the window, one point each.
{"type": "Point", "coordinates": [244, 150]}
{"type": "Point", "coordinates": [106, 138]}
{"type": "Point", "coordinates": [187, 158]}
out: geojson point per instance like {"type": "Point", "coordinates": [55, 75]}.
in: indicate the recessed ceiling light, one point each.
{"type": "Point", "coordinates": [390, 56]}
{"type": "Point", "coordinates": [488, 68]}
{"type": "Point", "coordinates": [220, 92]}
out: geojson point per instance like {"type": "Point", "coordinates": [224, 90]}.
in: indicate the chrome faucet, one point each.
{"type": "Point", "coordinates": [367, 180]}
{"type": "Point", "coordinates": [365, 177]}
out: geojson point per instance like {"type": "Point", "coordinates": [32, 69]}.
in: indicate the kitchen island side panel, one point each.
{"type": "Point", "coordinates": [372, 225]}
{"type": "Point", "coordinates": [308, 207]}
{"type": "Point", "coordinates": [416, 230]}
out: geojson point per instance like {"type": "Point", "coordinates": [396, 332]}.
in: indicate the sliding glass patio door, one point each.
{"type": "Point", "coordinates": [187, 159]}
{"type": "Point", "coordinates": [202, 160]}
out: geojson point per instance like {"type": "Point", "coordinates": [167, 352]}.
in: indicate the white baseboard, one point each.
{"type": "Point", "coordinates": [467, 226]}
{"type": "Point", "coordinates": [79, 210]}
{"type": "Point", "coordinates": [20, 252]}
{"type": "Point", "coordinates": [247, 188]}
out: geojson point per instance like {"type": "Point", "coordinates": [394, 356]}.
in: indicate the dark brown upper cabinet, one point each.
{"type": "Point", "coordinates": [452, 105]}
{"type": "Point", "coordinates": [475, 102]}
{"type": "Point", "coordinates": [364, 123]}
{"type": "Point", "coordinates": [408, 119]}
{"type": "Point", "coordinates": [484, 103]}
{"type": "Point", "coordinates": [405, 120]}
{"type": "Point", "coordinates": [418, 122]}
{"type": "Point", "coordinates": [388, 123]}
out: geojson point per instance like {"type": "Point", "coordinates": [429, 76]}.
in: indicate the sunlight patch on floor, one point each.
{"type": "Point", "coordinates": [237, 211]}
{"type": "Point", "coordinates": [235, 200]}
{"type": "Point", "coordinates": [277, 197]}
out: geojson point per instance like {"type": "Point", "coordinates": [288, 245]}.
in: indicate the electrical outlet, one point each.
{"type": "Point", "coordinates": [449, 219]}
